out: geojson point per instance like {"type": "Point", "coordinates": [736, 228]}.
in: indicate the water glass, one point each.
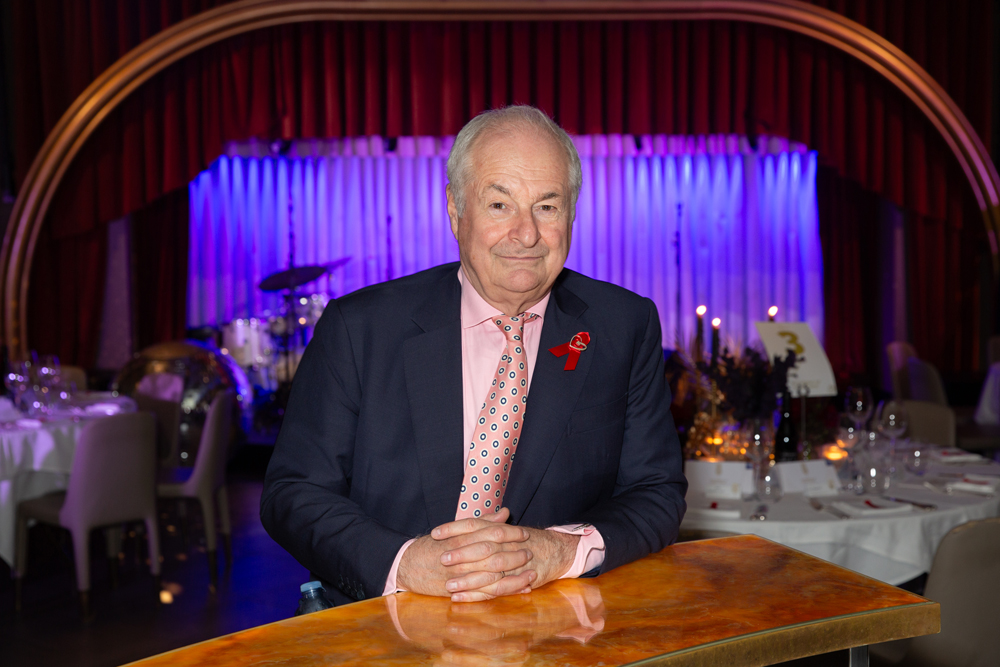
{"type": "Point", "coordinates": [767, 485]}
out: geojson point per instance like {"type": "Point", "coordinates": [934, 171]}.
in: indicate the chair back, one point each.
{"type": "Point", "coordinates": [164, 386]}
{"type": "Point", "coordinates": [899, 353]}
{"type": "Point", "coordinates": [210, 464]}
{"type": "Point", "coordinates": [925, 382]}
{"type": "Point", "coordinates": [965, 580]}
{"type": "Point", "coordinates": [168, 423]}
{"type": "Point", "coordinates": [73, 376]}
{"type": "Point", "coordinates": [113, 477]}
{"type": "Point", "coordinates": [930, 422]}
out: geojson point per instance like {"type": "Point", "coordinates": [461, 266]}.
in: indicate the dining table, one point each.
{"type": "Point", "coordinates": [37, 451]}
{"type": "Point", "coordinates": [891, 534]}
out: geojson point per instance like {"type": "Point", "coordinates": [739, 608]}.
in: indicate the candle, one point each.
{"type": "Point", "coordinates": [716, 323]}
{"type": "Point", "coordinates": [699, 336]}
{"type": "Point", "coordinates": [771, 312]}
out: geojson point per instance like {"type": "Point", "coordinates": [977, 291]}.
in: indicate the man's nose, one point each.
{"type": "Point", "coordinates": [525, 228]}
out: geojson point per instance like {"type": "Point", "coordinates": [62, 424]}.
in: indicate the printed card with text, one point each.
{"type": "Point", "coordinates": [812, 374]}
{"type": "Point", "coordinates": [810, 478]}
{"type": "Point", "coordinates": [719, 479]}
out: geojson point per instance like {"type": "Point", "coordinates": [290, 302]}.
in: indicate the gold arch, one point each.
{"type": "Point", "coordinates": [167, 47]}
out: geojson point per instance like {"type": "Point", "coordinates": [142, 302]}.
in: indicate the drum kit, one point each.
{"type": "Point", "coordinates": [269, 348]}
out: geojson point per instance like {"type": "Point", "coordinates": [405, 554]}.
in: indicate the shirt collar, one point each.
{"type": "Point", "coordinates": [476, 310]}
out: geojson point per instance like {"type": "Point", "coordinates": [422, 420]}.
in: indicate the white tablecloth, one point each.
{"type": "Point", "coordinates": [893, 549]}
{"type": "Point", "coordinates": [33, 462]}
{"type": "Point", "coordinates": [36, 461]}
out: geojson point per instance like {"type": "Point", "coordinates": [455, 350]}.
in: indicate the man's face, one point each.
{"type": "Point", "coordinates": [514, 234]}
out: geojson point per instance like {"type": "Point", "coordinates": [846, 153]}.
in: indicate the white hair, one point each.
{"type": "Point", "coordinates": [518, 116]}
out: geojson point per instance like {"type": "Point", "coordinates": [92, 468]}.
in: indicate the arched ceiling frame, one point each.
{"type": "Point", "coordinates": [143, 62]}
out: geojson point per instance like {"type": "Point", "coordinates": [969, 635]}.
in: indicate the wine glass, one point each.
{"type": "Point", "coordinates": [858, 405]}
{"type": "Point", "coordinates": [18, 382]}
{"type": "Point", "coordinates": [48, 377]}
{"type": "Point", "coordinates": [891, 421]}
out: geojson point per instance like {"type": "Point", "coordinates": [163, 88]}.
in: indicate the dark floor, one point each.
{"type": "Point", "coordinates": [261, 587]}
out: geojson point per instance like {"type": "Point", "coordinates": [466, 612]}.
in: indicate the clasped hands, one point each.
{"type": "Point", "coordinates": [480, 559]}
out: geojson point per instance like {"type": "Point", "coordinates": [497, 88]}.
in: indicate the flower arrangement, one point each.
{"type": "Point", "coordinates": [714, 398]}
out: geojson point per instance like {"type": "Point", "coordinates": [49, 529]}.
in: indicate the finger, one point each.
{"type": "Point", "coordinates": [499, 517]}
{"type": "Point", "coordinates": [489, 532]}
{"type": "Point", "coordinates": [507, 586]}
{"type": "Point", "coordinates": [479, 551]}
{"type": "Point", "coordinates": [463, 526]}
{"type": "Point", "coordinates": [492, 570]}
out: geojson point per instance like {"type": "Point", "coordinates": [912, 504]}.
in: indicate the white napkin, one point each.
{"type": "Point", "coordinates": [29, 423]}
{"type": "Point", "coordinates": [103, 409]}
{"type": "Point", "coordinates": [953, 455]}
{"type": "Point", "coordinates": [980, 484]}
{"type": "Point", "coordinates": [709, 513]}
{"type": "Point", "coordinates": [872, 507]}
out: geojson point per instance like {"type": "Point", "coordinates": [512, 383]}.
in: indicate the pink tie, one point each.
{"type": "Point", "coordinates": [495, 440]}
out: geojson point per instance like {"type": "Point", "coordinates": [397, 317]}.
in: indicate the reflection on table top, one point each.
{"type": "Point", "coordinates": [738, 600]}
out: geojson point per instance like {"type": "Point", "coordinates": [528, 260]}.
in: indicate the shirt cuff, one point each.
{"type": "Point", "coordinates": [390, 581]}
{"type": "Point", "coordinates": [589, 551]}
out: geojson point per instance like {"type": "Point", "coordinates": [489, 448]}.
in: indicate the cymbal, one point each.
{"type": "Point", "coordinates": [291, 278]}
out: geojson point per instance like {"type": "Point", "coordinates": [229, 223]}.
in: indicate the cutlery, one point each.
{"type": "Point", "coordinates": [819, 507]}
{"type": "Point", "coordinates": [927, 507]}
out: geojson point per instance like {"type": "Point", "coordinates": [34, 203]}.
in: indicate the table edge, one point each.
{"type": "Point", "coordinates": [788, 642]}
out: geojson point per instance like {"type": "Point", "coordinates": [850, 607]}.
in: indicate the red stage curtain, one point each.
{"type": "Point", "coordinates": [419, 78]}
{"type": "Point", "coordinates": [159, 267]}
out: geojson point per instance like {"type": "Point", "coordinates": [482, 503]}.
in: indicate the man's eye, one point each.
{"type": "Point", "coordinates": [547, 207]}
{"type": "Point", "coordinates": [498, 205]}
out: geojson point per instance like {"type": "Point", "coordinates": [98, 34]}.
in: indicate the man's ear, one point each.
{"type": "Point", "coordinates": [452, 211]}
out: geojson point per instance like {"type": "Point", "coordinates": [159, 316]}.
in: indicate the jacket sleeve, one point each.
{"type": "Point", "coordinates": [644, 513]}
{"type": "Point", "coordinates": [306, 504]}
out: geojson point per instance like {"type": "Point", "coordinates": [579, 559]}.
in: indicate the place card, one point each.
{"type": "Point", "coordinates": [810, 478]}
{"type": "Point", "coordinates": [719, 479]}
{"type": "Point", "coordinates": [812, 374]}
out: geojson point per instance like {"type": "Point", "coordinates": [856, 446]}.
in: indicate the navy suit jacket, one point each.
{"type": "Point", "coordinates": [371, 451]}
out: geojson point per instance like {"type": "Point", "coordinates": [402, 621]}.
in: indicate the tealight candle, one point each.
{"type": "Point", "coordinates": [771, 312]}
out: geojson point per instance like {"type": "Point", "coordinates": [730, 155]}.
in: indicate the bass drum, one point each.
{"type": "Point", "coordinates": [248, 342]}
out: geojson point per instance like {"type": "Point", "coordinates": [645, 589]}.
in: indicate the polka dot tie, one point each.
{"type": "Point", "coordinates": [491, 452]}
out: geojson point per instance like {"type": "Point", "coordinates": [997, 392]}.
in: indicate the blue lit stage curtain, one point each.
{"type": "Point", "coordinates": [744, 224]}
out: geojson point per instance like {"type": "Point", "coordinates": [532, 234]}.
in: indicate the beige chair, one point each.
{"type": "Point", "coordinates": [965, 580]}
{"type": "Point", "coordinates": [168, 420]}
{"type": "Point", "coordinates": [112, 481]}
{"type": "Point", "coordinates": [925, 382]}
{"type": "Point", "coordinates": [206, 481]}
{"type": "Point", "coordinates": [930, 422]}
{"type": "Point", "coordinates": [73, 376]}
{"type": "Point", "coordinates": [899, 353]}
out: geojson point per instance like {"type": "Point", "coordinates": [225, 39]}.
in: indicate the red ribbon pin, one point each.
{"type": "Point", "coordinates": [573, 349]}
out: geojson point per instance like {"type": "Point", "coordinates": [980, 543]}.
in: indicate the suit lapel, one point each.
{"type": "Point", "coordinates": [432, 363]}
{"type": "Point", "coordinates": [551, 398]}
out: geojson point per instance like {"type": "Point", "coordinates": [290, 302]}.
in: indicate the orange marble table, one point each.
{"type": "Point", "coordinates": [731, 601]}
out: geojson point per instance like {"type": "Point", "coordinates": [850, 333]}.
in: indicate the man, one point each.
{"type": "Point", "coordinates": [435, 442]}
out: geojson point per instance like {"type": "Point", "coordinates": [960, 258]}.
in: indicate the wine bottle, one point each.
{"type": "Point", "coordinates": [785, 438]}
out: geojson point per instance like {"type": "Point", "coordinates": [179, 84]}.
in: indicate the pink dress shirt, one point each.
{"type": "Point", "coordinates": [482, 345]}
